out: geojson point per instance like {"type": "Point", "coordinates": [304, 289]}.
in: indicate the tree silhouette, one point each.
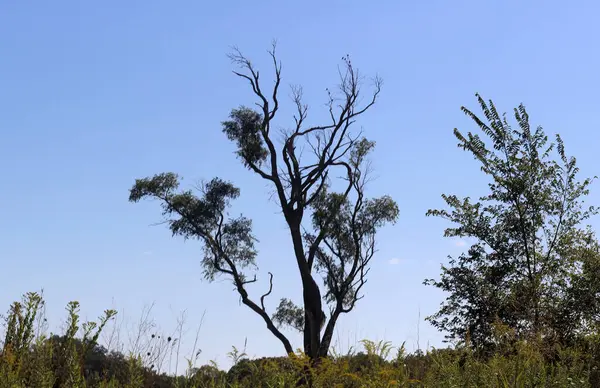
{"type": "Point", "coordinates": [332, 232]}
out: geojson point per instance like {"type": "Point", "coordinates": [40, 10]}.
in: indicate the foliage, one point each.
{"type": "Point", "coordinates": [531, 264]}
{"type": "Point", "coordinates": [48, 362]}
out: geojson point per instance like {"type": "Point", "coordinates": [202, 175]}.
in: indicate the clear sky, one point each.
{"type": "Point", "coordinates": [96, 94]}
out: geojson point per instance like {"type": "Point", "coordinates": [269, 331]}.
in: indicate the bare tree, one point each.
{"type": "Point", "coordinates": [332, 232]}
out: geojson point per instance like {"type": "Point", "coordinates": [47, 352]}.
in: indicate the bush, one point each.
{"type": "Point", "coordinates": [31, 359]}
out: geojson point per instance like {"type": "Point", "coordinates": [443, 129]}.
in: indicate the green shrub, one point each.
{"type": "Point", "coordinates": [28, 358]}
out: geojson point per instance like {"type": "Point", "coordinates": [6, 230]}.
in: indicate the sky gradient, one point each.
{"type": "Point", "coordinates": [96, 94]}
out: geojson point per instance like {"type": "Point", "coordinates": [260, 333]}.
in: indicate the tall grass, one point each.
{"type": "Point", "coordinates": [31, 358]}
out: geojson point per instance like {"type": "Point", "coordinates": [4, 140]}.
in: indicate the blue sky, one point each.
{"type": "Point", "coordinates": [96, 94]}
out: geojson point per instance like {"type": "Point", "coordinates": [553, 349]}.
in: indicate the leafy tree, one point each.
{"type": "Point", "coordinates": [531, 256]}
{"type": "Point", "coordinates": [332, 232]}
{"type": "Point", "coordinates": [577, 313]}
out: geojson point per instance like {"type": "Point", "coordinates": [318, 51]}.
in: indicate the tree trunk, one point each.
{"type": "Point", "coordinates": [311, 294]}
{"type": "Point", "coordinates": [328, 334]}
{"type": "Point", "coordinates": [313, 317]}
